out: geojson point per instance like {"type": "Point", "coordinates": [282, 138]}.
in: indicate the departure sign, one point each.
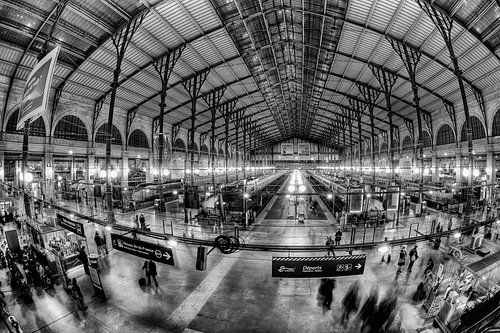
{"type": "Point", "coordinates": [313, 267]}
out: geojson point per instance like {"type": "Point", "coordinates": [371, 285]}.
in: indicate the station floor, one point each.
{"type": "Point", "coordinates": [236, 293]}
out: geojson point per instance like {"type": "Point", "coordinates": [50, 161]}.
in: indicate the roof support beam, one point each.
{"type": "Point", "coordinates": [387, 80]}
{"type": "Point", "coordinates": [432, 5]}
{"type": "Point", "coordinates": [193, 87]}
{"type": "Point", "coordinates": [410, 59]}
{"type": "Point", "coordinates": [130, 120]}
{"type": "Point", "coordinates": [226, 110]}
{"type": "Point", "coordinates": [121, 40]}
{"type": "Point", "coordinates": [164, 67]}
{"type": "Point", "coordinates": [444, 25]}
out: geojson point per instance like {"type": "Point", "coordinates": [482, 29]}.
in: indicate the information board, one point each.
{"type": "Point", "coordinates": [392, 198]}
{"type": "Point", "coordinates": [356, 200]}
{"type": "Point", "coordinates": [143, 249]}
{"type": "Point", "coordinates": [96, 282]}
{"type": "Point", "coordinates": [311, 267]}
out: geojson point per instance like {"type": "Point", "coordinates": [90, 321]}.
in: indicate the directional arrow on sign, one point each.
{"type": "Point", "coordinates": [358, 266]}
{"type": "Point", "coordinates": [166, 255]}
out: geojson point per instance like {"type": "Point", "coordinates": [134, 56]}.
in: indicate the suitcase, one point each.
{"type": "Point", "coordinates": [142, 281]}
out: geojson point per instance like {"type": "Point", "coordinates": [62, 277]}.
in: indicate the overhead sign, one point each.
{"type": "Point", "coordinates": [73, 226]}
{"type": "Point", "coordinates": [312, 267]}
{"type": "Point", "coordinates": [37, 90]}
{"type": "Point", "coordinates": [143, 249]}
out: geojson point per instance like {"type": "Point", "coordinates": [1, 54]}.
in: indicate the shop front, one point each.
{"type": "Point", "coordinates": [452, 292]}
{"type": "Point", "coordinates": [446, 170]}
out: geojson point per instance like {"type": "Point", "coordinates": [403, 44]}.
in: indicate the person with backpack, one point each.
{"type": "Point", "coordinates": [413, 257]}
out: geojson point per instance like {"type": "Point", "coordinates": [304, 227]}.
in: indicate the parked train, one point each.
{"type": "Point", "coordinates": [233, 193]}
{"type": "Point", "coordinates": [150, 191]}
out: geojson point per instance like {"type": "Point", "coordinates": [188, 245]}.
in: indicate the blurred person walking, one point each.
{"type": "Point", "coordinates": [429, 267]}
{"type": "Point", "coordinates": [351, 301]}
{"type": "Point", "coordinates": [150, 267]}
{"type": "Point", "coordinates": [402, 258]}
{"type": "Point", "coordinates": [84, 259]}
{"type": "Point", "coordinates": [383, 318]}
{"type": "Point", "coordinates": [76, 292]}
{"type": "Point", "coordinates": [413, 257]}
{"type": "Point", "coordinates": [329, 243]}
{"type": "Point", "coordinates": [369, 309]}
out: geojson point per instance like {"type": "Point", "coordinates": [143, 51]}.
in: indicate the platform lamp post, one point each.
{"type": "Point", "coordinates": [246, 197]}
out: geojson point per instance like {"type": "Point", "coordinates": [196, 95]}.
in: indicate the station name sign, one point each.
{"type": "Point", "coordinates": [315, 267]}
{"type": "Point", "coordinates": [73, 226]}
{"type": "Point", "coordinates": [143, 249]}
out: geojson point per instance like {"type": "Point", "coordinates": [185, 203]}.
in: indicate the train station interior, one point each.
{"type": "Point", "coordinates": [281, 166]}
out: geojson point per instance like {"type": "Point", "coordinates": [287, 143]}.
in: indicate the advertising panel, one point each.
{"type": "Point", "coordinates": [287, 149]}
{"type": "Point", "coordinates": [392, 198]}
{"type": "Point", "coordinates": [304, 149]}
{"type": "Point", "coordinates": [37, 90]}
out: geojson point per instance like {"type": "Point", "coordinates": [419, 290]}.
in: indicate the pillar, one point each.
{"type": "Point", "coordinates": [458, 168]}
{"type": "Point", "coordinates": [490, 165]}
{"type": "Point", "coordinates": [124, 170]}
{"type": "Point", "coordinates": [91, 166]}
{"type": "Point", "coordinates": [149, 175]}
{"type": "Point", "coordinates": [435, 167]}
{"type": "Point", "coordinates": [48, 174]}
{"type": "Point", "coordinates": [2, 165]}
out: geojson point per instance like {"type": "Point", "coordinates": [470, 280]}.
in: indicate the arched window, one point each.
{"type": "Point", "coordinates": [478, 131]}
{"type": "Point", "coordinates": [100, 136]}
{"type": "Point", "coordinates": [496, 124]}
{"type": "Point", "coordinates": [71, 128]}
{"type": "Point", "coordinates": [37, 128]}
{"type": "Point", "coordinates": [138, 139]}
{"type": "Point", "coordinates": [375, 147]}
{"type": "Point", "coordinates": [179, 146]}
{"type": "Point", "coordinates": [426, 139]}
{"type": "Point", "coordinates": [383, 148]}
{"type": "Point", "coordinates": [445, 135]}
{"type": "Point", "coordinates": [407, 144]}
{"type": "Point", "coordinates": [204, 150]}
{"type": "Point", "coordinates": [221, 152]}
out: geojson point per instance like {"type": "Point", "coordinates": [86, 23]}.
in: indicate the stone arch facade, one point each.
{"type": "Point", "coordinates": [76, 114]}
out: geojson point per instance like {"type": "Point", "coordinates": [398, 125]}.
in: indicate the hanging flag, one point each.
{"type": "Point", "coordinates": [37, 90]}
